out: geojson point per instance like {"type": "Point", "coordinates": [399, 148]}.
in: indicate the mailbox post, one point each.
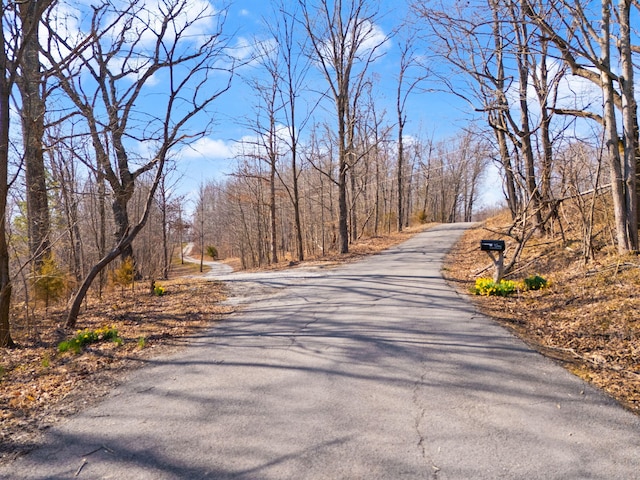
{"type": "Point", "coordinates": [492, 247]}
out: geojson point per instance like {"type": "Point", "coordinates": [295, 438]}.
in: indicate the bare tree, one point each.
{"type": "Point", "coordinates": [585, 45]}
{"type": "Point", "coordinates": [266, 125]}
{"type": "Point", "coordinates": [408, 60]}
{"type": "Point", "coordinates": [474, 154]}
{"type": "Point", "coordinates": [345, 42]}
{"type": "Point", "coordinates": [580, 166]}
{"type": "Point", "coordinates": [291, 78]}
{"type": "Point", "coordinates": [199, 220]}
{"type": "Point", "coordinates": [125, 51]}
{"type": "Point", "coordinates": [472, 39]}
{"type": "Point", "coordinates": [167, 203]}
{"type": "Point", "coordinates": [64, 174]}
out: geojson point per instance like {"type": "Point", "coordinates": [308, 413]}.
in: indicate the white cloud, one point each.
{"type": "Point", "coordinates": [375, 38]}
{"type": "Point", "coordinates": [370, 40]}
{"type": "Point", "coordinates": [247, 52]}
{"type": "Point", "coordinates": [243, 49]}
{"type": "Point", "coordinates": [208, 148]}
{"type": "Point", "coordinates": [578, 93]}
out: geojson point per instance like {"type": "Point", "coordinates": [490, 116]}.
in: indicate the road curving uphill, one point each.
{"type": "Point", "coordinates": [375, 369]}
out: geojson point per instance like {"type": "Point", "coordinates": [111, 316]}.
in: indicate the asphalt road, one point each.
{"type": "Point", "coordinates": [373, 370]}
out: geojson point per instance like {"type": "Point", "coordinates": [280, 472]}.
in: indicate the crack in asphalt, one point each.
{"type": "Point", "coordinates": [421, 412]}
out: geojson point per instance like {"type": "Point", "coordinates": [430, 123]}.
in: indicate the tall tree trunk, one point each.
{"type": "Point", "coordinates": [629, 123]}
{"type": "Point", "coordinates": [122, 190]}
{"type": "Point", "coordinates": [497, 118]}
{"type": "Point", "coordinates": [353, 210]}
{"type": "Point", "coordinates": [32, 112]}
{"type": "Point", "coordinates": [343, 210]}
{"type": "Point", "coordinates": [408, 184]}
{"type": "Point", "coordinates": [5, 279]}
{"type": "Point", "coordinates": [525, 133]}
{"type": "Point", "coordinates": [377, 194]}
{"type": "Point", "coordinates": [296, 205]}
{"type": "Point", "coordinates": [102, 227]}
{"type": "Point", "coordinates": [611, 139]}
{"type": "Point", "coordinates": [121, 218]}
{"type": "Point", "coordinates": [527, 150]}
{"type": "Point", "coordinates": [166, 260]}
{"type": "Point", "coordinates": [400, 172]}
{"type": "Point", "coordinates": [180, 234]}
{"type": "Point", "coordinates": [507, 165]}
{"type": "Point", "coordinates": [272, 211]}
{"type": "Point", "coordinates": [543, 91]}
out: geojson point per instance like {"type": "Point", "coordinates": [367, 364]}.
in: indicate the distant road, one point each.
{"type": "Point", "coordinates": [214, 269]}
{"type": "Point", "coordinates": [372, 370]}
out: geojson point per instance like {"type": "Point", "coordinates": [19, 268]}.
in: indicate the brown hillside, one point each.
{"type": "Point", "coordinates": [587, 318]}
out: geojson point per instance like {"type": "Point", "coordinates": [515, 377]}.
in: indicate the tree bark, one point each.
{"type": "Point", "coordinates": [400, 167]}
{"type": "Point", "coordinates": [629, 124]}
{"type": "Point", "coordinates": [5, 280]}
{"type": "Point", "coordinates": [32, 114]}
{"type": "Point", "coordinates": [612, 142]}
{"type": "Point", "coordinates": [524, 129]}
{"type": "Point", "coordinates": [497, 118]}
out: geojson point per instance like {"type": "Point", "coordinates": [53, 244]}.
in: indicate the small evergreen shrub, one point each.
{"type": "Point", "coordinates": [487, 287]}
{"type": "Point", "coordinates": [124, 274]}
{"type": "Point", "coordinates": [212, 252]}
{"type": "Point", "coordinates": [50, 281]}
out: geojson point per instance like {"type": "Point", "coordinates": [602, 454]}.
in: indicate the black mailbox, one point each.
{"type": "Point", "coordinates": [492, 245]}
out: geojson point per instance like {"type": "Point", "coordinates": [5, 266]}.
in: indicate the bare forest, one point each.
{"type": "Point", "coordinates": [90, 180]}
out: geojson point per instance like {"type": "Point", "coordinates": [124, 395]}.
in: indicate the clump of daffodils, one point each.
{"type": "Point", "coordinates": [503, 288]}
{"type": "Point", "coordinates": [85, 337]}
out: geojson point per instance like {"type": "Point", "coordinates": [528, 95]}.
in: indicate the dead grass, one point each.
{"type": "Point", "coordinates": [587, 319]}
